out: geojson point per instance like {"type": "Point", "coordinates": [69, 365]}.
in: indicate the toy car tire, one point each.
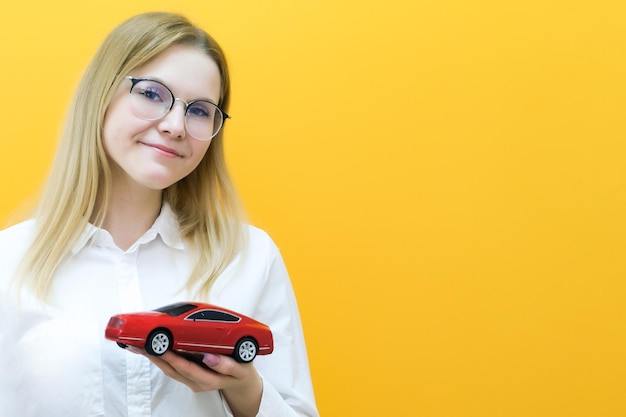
{"type": "Point", "coordinates": [245, 350]}
{"type": "Point", "coordinates": [122, 345]}
{"type": "Point", "coordinates": [158, 342]}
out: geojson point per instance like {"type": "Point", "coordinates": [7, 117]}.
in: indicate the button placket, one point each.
{"type": "Point", "coordinates": [137, 367]}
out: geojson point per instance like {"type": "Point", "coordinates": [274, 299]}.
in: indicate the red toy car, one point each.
{"type": "Point", "coordinates": [192, 327]}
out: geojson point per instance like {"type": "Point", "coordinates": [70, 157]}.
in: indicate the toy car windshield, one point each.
{"type": "Point", "coordinates": [176, 309]}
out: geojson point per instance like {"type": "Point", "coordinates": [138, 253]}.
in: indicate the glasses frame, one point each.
{"type": "Point", "coordinates": [134, 81]}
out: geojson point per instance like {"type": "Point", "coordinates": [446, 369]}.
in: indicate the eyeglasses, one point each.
{"type": "Point", "coordinates": [151, 100]}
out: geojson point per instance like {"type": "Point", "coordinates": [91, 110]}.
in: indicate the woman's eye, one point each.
{"type": "Point", "coordinates": [151, 95]}
{"type": "Point", "coordinates": [200, 110]}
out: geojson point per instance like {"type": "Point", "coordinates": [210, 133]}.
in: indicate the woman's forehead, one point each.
{"type": "Point", "coordinates": [186, 70]}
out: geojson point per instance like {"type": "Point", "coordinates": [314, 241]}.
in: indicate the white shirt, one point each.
{"type": "Point", "coordinates": [56, 362]}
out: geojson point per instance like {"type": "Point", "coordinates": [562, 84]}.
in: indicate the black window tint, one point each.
{"type": "Point", "coordinates": [197, 316]}
{"type": "Point", "coordinates": [220, 316]}
{"type": "Point", "coordinates": [176, 309]}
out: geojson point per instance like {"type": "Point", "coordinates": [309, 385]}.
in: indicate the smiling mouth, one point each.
{"type": "Point", "coordinates": [164, 150]}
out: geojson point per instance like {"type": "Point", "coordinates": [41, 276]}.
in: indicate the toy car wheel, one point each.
{"type": "Point", "coordinates": [122, 345]}
{"type": "Point", "coordinates": [158, 342]}
{"type": "Point", "coordinates": [246, 350]}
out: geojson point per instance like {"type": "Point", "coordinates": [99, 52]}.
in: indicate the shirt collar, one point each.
{"type": "Point", "coordinates": [165, 226]}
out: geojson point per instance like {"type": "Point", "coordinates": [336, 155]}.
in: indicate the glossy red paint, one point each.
{"type": "Point", "coordinates": [192, 327]}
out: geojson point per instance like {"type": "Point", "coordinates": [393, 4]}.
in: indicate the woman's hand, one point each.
{"type": "Point", "coordinates": [240, 384]}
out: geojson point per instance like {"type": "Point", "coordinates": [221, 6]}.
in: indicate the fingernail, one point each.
{"type": "Point", "coordinates": [210, 359]}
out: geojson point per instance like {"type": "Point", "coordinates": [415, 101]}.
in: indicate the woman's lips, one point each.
{"type": "Point", "coordinates": [164, 150]}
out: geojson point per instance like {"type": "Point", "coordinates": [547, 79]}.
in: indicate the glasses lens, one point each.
{"type": "Point", "coordinates": [150, 100]}
{"type": "Point", "coordinates": [204, 119]}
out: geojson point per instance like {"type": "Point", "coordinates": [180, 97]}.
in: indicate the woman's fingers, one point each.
{"type": "Point", "coordinates": [203, 373]}
{"type": "Point", "coordinates": [240, 383]}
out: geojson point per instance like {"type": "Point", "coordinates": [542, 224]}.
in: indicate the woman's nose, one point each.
{"type": "Point", "coordinates": [174, 121]}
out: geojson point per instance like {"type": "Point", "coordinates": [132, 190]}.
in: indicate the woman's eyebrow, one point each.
{"type": "Point", "coordinates": [152, 78]}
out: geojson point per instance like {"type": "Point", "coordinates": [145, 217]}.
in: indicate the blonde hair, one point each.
{"type": "Point", "coordinates": [208, 210]}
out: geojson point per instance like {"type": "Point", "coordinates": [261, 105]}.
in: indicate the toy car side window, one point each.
{"type": "Point", "coordinates": [221, 316]}
{"type": "Point", "coordinates": [213, 315]}
{"type": "Point", "coordinates": [199, 315]}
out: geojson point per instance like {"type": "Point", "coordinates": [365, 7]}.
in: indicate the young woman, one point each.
{"type": "Point", "coordinates": [139, 212]}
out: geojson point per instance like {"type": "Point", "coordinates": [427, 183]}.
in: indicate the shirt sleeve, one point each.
{"type": "Point", "coordinates": [261, 288]}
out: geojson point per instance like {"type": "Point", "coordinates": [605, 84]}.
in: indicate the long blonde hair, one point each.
{"type": "Point", "coordinates": [205, 202]}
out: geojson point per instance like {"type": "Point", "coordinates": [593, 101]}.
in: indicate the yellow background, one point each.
{"type": "Point", "coordinates": [446, 180]}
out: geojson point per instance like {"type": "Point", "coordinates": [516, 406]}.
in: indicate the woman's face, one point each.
{"type": "Point", "coordinates": [155, 154]}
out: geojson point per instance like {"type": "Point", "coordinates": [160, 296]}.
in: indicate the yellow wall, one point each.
{"type": "Point", "coordinates": [445, 178]}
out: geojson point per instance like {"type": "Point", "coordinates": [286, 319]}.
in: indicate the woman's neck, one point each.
{"type": "Point", "coordinates": [130, 213]}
